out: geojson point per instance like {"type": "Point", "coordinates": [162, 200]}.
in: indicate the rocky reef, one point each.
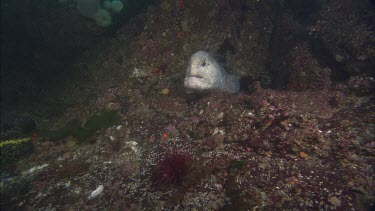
{"type": "Point", "coordinates": [131, 139]}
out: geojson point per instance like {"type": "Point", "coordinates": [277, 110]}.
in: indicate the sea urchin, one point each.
{"type": "Point", "coordinates": [172, 170]}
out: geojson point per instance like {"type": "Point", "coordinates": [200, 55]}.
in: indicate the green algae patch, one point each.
{"type": "Point", "coordinates": [15, 149]}
{"type": "Point", "coordinates": [14, 141]}
{"type": "Point", "coordinates": [83, 131]}
{"type": "Point", "coordinates": [72, 128]}
{"type": "Point", "coordinates": [102, 119]}
{"type": "Point", "coordinates": [237, 165]}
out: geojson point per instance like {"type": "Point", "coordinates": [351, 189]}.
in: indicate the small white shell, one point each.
{"type": "Point", "coordinates": [96, 192]}
{"type": "Point", "coordinates": [34, 169]}
{"type": "Point", "coordinates": [131, 143]}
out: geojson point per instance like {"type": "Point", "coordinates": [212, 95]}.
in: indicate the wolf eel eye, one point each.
{"type": "Point", "coordinates": [203, 64]}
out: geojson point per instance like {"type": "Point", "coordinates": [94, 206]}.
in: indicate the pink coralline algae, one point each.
{"type": "Point", "coordinates": [305, 72]}
{"type": "Point", "coordinates": [171, 129]}
{"type": "Point", "coordinates": [361, 85]}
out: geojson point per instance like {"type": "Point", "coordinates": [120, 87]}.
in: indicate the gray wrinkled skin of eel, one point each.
{"type": "Point", "coordinates": [205, 74]}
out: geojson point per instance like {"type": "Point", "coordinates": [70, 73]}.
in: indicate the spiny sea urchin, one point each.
{"type": "Point", "coordinates": [172, 170]}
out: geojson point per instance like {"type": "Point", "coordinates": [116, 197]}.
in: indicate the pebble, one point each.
{"type": "Point", "coordinates": [165, 91]}
{"type": "Point", "coordinates": [220, 115]}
